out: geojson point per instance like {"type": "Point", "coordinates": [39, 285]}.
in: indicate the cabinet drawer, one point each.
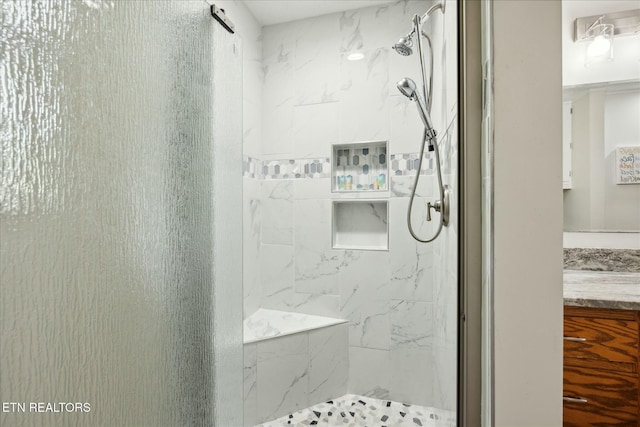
{"type": "Point", "coordinates": [599, 398]}
{"type": "Point", "coordinates": [593, 338]}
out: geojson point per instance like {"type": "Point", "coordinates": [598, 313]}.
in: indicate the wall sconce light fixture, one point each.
{"type": "Point", "coordinates": [600, 47]}
{"type": "Point", "coordinates": [600, 30]}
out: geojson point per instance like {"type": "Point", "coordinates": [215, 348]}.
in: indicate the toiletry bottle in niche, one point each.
{"type": "Point", "coordinates": [365, 178]}
{"type": "Point", "coordinates": [341, 183]}
{"type": "Point", "coordinates": [349, 182]}
{"type": "Point", "coordinates": [382, 181]}
{"type": "Point", "coordinates": [364, 181]}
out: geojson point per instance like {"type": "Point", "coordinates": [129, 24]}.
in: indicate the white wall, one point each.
{"type": "Point", "coordinates": [626, 50]}
{"type": "Point", "coordinates": [602, 240]}
{"type": "Point", "coordinates": [250, 32]}
{"type": "Point", "coordinates": [528, 214]}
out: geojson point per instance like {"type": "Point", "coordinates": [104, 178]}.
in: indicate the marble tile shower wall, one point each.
{"type": "Point", "coordinates": [446, 246]}
{"type": "Point", "coordinates": [401, 303]}
{"type": "Point", "coordinates": [252, 82]}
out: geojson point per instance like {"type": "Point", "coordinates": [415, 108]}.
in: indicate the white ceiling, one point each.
{"type": "Point", "coordinates": [269, 12]}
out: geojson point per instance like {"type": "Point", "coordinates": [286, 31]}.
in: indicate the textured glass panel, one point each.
{"type": "Point", "coordinates": [107, 206]}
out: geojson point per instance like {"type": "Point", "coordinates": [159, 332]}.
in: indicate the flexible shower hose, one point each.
{"type": "Point", "coordinates": [415, 186]}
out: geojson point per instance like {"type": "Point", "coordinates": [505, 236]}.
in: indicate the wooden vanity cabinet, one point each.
{"type": "Point", "coordinates": [601, 366]}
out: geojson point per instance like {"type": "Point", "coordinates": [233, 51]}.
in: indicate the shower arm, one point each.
{"type": "Point", "coordinates": [429, 12]}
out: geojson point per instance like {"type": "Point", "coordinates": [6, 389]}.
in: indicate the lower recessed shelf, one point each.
{"type": "Point", "coordinates": [361, 224]}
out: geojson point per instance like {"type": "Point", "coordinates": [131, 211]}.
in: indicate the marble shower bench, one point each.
{"type": "Point", "coordinates": [292, 361]}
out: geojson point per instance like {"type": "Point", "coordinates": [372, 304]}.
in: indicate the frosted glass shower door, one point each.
{"type": "Point", "coordinates": [120, 207]}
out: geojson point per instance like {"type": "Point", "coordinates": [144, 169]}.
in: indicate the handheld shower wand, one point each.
{"type": "Point", "coordinates": [407, 87]}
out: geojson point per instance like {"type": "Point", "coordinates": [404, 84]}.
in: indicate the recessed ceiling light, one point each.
{"type": "Point", "coordinates": [355, 56]}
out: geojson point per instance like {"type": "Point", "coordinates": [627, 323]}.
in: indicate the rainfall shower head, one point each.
{"type": "Point", "coordinates": [404, 46]}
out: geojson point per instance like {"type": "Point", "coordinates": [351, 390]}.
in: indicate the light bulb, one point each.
{"type": "Point", "coordinates": [599, 46]}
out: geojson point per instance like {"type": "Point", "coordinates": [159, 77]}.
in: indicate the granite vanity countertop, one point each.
{"type": "Point", "coordinates": [604, 289]}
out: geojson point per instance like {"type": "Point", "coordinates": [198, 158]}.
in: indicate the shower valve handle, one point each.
{"type": "Point", "coordinates": [436, 206]}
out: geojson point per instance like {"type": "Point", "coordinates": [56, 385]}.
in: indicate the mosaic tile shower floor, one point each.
{"type": "Point", "coordinates": [352, 410]}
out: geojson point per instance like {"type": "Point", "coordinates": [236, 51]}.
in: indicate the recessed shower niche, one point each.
{"type": "Point", "coordinates": [361, 224]}
{"type": "Point", "coordinates": [360, 166]}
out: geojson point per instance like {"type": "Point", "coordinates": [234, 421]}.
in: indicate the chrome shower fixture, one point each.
{"type": "Point", "coordinates": [439, 5]}
{"type": "Point", "coordinates": [408, 87]}
{"type": "Point", "coordinates": [405, 45]}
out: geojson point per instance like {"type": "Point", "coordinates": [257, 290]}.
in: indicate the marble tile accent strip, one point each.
{"type": "Point", "coordinates": [407, 164]}
{"type": "Point", "coordinates": [251, 167]}
{"type": "Point", "coordinates": [625, 260]}
{"type": "Point", "coordinates": [602, 289]}
{"type": "Point", "coordinates": [265, 324]}
{"type": "Point", "coordinates": [353, 410]}
{"type": "Point", "coordinates": [296, 168]}
{"type": "Point", "coordinates": [401, 165]}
